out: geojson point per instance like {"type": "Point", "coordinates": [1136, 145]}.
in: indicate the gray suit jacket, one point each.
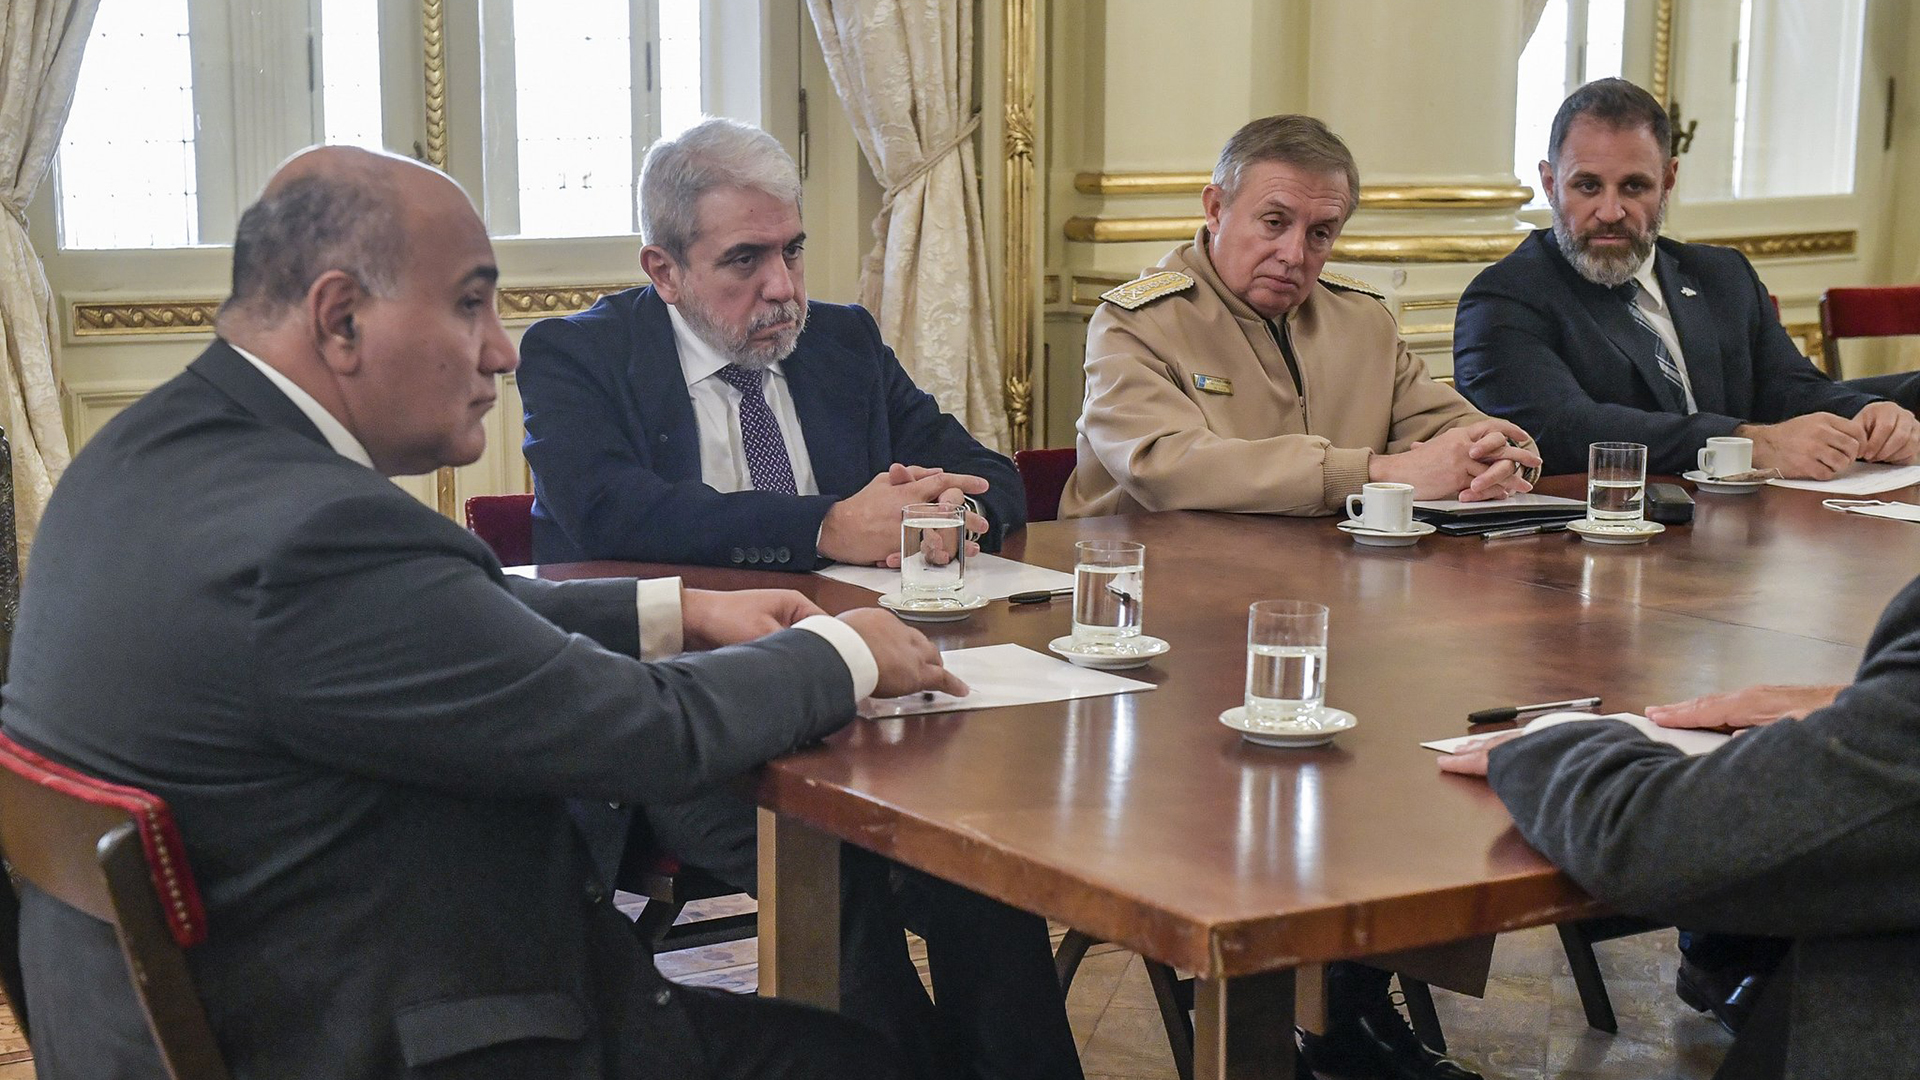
{"type": "Point", "coordinates": [367, 734]}
{"type": "Point", "coordinates": [1805, 829]}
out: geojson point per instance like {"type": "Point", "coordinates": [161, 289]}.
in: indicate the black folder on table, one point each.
{"type": "Point", "coordinates": [1471, 519]}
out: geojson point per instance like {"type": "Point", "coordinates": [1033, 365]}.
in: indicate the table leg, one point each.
{"type": "Point", "coordinates": [799, 912]}
{"type": "Point", "coordinates": [1243, 1027]}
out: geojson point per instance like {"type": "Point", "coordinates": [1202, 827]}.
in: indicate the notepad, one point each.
{"type": "Point", "coordinates": [1865, 478]}
{"type": "Point", "coordinates": [1688, 740]}
{"type": "Point", "coordinates": [1001, 675]}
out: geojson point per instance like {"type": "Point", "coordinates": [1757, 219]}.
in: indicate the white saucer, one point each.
{"type": "Point", "coordinates": [940, 611]}
{"type": "Point", "coordinates": [1615, 534]}
{"type": "Point", "coordinates": [1290, 736]}
{"type": "Point", "coordinates": [1722, 487]}
{"type": "Point", "coordinates": [1143, 649]}
{"type": "Point", "coordinates": [1381, 538]}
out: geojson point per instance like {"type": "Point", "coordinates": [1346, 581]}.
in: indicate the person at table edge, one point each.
{"type": "Point", "coordinates": [1237, 376]}
{"type": "Point", "coordinates": [365, 732]}
{"type": "Point", "coordinates": [720, 209]}
{"type": "Point", "coordinates": [1599, 329]}
{"type": "Point", "coordinates": [1806, 826]}
{"type": "Point", "coordinates": [717, 416]}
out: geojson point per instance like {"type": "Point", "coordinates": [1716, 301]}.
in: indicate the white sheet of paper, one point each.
{"type": "Point", "coordinates": [1865, 478]}
{"type": "Point", "coordinates": [1523, 501]}
{"type": "Point", "coordinates": [1899, 511]}
{"type": "Point", "coordinates": [988, 576]}
{"type": "Point", "coordinates": [1005, 675]}
{"type": "Point", "coordinates": [1689, 740]}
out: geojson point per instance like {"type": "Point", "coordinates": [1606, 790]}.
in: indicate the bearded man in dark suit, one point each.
{"type": "Point", "coordinates": [1599, 329]}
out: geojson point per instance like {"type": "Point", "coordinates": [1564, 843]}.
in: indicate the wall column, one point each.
{"type": "Point", "coordinates": [1424, 95]}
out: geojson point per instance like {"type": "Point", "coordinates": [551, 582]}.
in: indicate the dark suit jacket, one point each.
{"type": "Point", "coordinates": [615, 450]}
{"type": "Point", "coordinates": [1538, 344]}
{"type": "Point", "coordinates": [1806, 829]}
{"type": "Point", "coordinates": [367, 735]}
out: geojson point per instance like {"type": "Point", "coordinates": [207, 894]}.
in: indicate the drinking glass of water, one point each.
{"type": "Point", "coordinates": [1286, 663]}
{"type": "Point", "coordinates": [1616, 484]}
{"type": "Point", "coordinates": [933, 555]}
{"type": "Point", "coordinates": [1109, 587]}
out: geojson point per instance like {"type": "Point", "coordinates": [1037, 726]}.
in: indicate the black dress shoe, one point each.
{"type": "Point", "coordinates": [1377, 1045]}
{"type": "Point", "coordinates": [1729, 995]}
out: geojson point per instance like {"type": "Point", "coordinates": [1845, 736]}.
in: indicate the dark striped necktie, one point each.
{"type": "Point", "coordinates": [1629, 293]}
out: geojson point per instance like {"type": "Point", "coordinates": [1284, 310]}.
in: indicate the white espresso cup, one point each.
{"type": "Point", "coordinates": [1385, 507]}
{"type": "Point", "coordinates": [1726, 455]}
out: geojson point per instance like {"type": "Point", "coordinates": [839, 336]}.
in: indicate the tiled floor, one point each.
{"type": "Point", "coordinates": [1529, 1026]}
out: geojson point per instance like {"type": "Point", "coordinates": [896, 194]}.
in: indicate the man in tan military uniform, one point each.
{"type": "Point", "coordinates": [1236, 376]}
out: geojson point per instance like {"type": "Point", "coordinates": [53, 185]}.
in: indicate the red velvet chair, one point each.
{"type": "Point", "coordinates": [505, 522]}
{"type": "Point", "coordinates": [1876, 311]}
{"type": "Point", "coordinates": [114, 853]}
{"type": "Point", "coordinates": [1044, 472]}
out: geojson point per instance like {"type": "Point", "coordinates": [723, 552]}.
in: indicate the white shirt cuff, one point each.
{"type": "Point", "coordinates": [852, 649]}
{"type": "Point", "coordinates": [657, 604]}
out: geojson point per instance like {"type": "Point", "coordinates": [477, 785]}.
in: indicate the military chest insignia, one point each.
{"type": "Point", "coordinates": [1152, 287]}
{"type": "Point", "coordinates": [1213, 384]}
{"type": "Point", "coordinates": [1342, 281]}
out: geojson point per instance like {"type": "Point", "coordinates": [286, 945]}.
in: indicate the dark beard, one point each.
{"type": "Point", "coordinates": [1607, 270]}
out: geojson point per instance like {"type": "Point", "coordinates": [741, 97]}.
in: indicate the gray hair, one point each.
{"type": "Point", "coordinates": [310, 226]}
{"type": "Point", "coordinates": [716, 152]}
{"type": "Point", "coordinates": [1300, 141]}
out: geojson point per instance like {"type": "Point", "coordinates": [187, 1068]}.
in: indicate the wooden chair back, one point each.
{"type": "Point", "coordinates": [113, 852]}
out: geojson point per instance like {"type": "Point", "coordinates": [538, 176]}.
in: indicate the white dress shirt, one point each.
{"type": "Point", "coordinates": [656, 600]}
{"type": "Point", "coordinates": [1653, 303]}
{"type": "Point", "coordinates": [716, 415]}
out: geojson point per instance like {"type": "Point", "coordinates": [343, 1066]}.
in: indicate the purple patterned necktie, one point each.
{"type": "Point", "coordinates": [760, 436]}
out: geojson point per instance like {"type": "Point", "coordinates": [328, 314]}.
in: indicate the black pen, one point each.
{"type": "Point", "coordinates": [1514, 712]}
{"type": "Point", "coordinates": [1039, 596]}
{"type": "Point", "coordinates": [1524, 530]}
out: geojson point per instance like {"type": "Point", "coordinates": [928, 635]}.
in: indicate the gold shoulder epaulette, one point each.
{"type": "Point", "coordinates": [1152, 287]}
{"type": "Point", "coordinates": [1342, 281]}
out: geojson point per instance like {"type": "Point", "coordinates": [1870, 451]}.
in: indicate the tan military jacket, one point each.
{"type": "Point", "coordinates": [1190, 404]}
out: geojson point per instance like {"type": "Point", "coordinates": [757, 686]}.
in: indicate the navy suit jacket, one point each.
{"type": "Point", "coordinates": [1537, 344]}
{"type": "Point", "coordinates": [615, 449]}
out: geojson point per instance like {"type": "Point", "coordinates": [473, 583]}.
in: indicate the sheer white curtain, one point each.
{"type": "Point", "coordinates": [904, 70]}
{"type": "Point", "coordinates": [39, 65]}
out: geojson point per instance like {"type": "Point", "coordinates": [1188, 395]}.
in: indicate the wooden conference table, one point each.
{"type": "Point", "coordinates": [1140, 819]}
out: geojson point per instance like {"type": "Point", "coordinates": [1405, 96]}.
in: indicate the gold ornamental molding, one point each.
{"type": "Point", "coordinates": [1372, 197]}
{"type": "Point", "coordinates": [1788, 245]}
{"type": "Point", "coordinates": [1017, 241]}
{"type": "Point", "coordinates": [1106, 230]}
{"type": "Point", "coordinates": [1662, 51]}
{"type": "Point", "coordinates": [434, 69]}
{"type": "Point", "coordinates": [141, 317]}
{"type": "Point", "coordinates": [540, 301]}
{"type": "Point", "coordinates": [446, 496]}
{"type": "Point", "coordinates": [89, 319]}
